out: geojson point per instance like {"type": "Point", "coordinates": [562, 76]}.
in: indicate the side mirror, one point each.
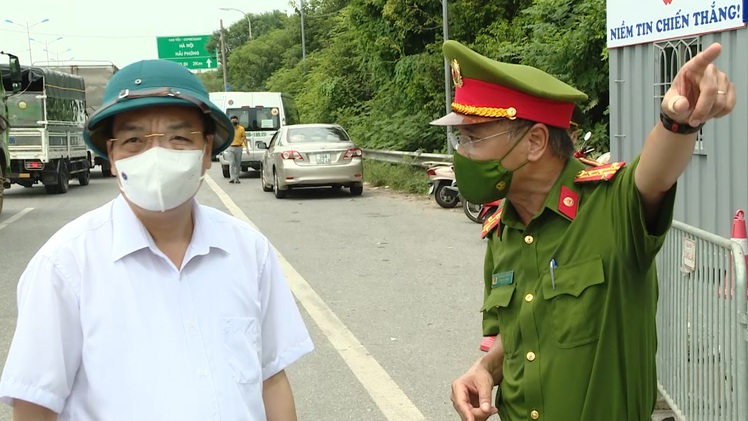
{"type": "Point", "coordinates": [261, 145]}
{"type": "Point", "coordinates": [587, 136]}
{"type": "Point", "coordinates": [15, 73]}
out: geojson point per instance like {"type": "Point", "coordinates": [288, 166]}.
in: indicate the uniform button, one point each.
{"type": "Point", "coordinates": [531, 356]}
{"type": "Point", "coordinates": [529, 298]}
{"type": "Point", "coordinates": [202, 372]}
{"type": "Point", "coordinates": [529, 239]}
{"type": "Point", "coordinates": [534, 414]}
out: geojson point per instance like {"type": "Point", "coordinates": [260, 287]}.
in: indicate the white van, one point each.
{"type": "Point", "coordinates": [261, 114]}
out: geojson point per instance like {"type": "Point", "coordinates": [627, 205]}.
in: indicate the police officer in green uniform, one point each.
{"type": "Point", "coordinates": [570, 278]}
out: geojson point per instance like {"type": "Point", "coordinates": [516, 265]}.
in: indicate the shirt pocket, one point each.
{"type": "Point", "coordinates": [241, 340]}
{"type": "Point", "coordinates": [498, 300]}
{"type": "Point", "coordinates": [575, 304]}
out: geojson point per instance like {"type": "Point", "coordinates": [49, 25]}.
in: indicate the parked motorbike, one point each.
{"type": "Point", "coordinates": [443, 185]}
{"type": "Point", "coordinates": [478, 213]}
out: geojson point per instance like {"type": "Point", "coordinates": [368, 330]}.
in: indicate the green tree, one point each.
{"type": "Point", "coordinates": [376, 66]}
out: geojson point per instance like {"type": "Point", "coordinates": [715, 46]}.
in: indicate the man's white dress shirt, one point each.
{"type": "Point", "coordinates": [109, 329]}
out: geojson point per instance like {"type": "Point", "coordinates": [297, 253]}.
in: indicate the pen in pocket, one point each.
{"type": "Point", "coordinates": [553, 277]}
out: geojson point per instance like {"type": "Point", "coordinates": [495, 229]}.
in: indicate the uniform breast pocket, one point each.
{"type": "Point", "coordinates": [576, 302]}
{"type": "Point", "coordinates": [498, 301]}
{"type": "Point", "coordinates": [242, 343]}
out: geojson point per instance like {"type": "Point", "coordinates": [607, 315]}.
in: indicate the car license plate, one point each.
{"type": "Point", "coordinates": [323, 158]}
{"type": "Point", "coordinates": [24, 175]}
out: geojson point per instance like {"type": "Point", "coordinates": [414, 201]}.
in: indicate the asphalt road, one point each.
{"type": "Point", "coordinates": [389, 286]}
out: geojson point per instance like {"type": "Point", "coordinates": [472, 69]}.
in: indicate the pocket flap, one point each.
{"type": "Point", "coordinates": [573, 278]}
{"type": "Point", "coordinates": [499, 297]}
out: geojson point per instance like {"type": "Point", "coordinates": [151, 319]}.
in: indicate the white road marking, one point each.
{"type": "Point", "coordinates": [391, 400]}
{"type": "Point", "coordinates": [15, 217]}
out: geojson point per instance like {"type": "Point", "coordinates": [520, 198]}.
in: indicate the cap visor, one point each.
{"type": "Point", "coordinates": [457, 119]}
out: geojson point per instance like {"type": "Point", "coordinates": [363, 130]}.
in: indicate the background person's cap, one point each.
{"type": "Point", "coordinates": [487, 90]}
{"type": "Point", "coordinates": [151, 83]}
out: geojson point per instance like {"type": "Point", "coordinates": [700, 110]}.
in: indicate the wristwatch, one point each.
{"type": "Point", "coordinates": [679, 128]}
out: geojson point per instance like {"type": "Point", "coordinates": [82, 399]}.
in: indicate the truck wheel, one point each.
{"type": "Point", "coordinates": [226, 173]}
{"type": "Point", "coordinates": [63, 181]}
{"type": "Point", "coordinates": [84, 178]}
{"type": "Point", "coordinates": [2, 189]}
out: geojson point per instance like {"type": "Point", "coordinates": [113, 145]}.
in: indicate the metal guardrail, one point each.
{"type": "Point", "coordinates": [412, 158]}
{"type": "Point", "coordinates": [702, 326]}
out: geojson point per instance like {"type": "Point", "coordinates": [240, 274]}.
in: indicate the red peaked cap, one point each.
{"type": "Point", "coordinates": [486, 90]}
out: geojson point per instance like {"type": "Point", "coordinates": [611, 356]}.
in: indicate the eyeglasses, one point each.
{"type": "Point", "coordinates": [465, 140]}
{"type": "Point", "coordinates": [134, 143]}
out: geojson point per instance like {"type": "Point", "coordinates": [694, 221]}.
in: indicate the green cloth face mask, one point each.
{"type": "Point", "coordinates": [484, 181]}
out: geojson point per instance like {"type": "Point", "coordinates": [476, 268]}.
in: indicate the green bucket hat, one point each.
{"type": "Point", "coordinates": [150, 83]}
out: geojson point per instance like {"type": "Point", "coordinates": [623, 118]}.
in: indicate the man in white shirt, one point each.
{"type": "Point", "coordinates": [153, 307]}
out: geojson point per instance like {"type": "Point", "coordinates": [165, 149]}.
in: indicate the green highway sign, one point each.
{"type": "Point", "coordinates": [189, 51]}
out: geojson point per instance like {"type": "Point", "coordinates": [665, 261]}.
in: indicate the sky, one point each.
{"type": "Point", "coordinates": [117, 31]}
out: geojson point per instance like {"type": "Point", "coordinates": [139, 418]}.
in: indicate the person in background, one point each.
{"type": "Point", "coordinates": [234, 152]}
{"type": "Point", "coordinates": [154, 307]}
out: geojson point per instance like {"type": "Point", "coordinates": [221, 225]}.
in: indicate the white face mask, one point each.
{"type": "Point", "coordinates": [161, 179]}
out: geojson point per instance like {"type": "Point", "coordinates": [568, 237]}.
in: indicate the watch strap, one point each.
{"type": "Point", "coordinates": [679, 128]}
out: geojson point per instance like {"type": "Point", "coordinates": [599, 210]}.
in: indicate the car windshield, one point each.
{"type": "Point", "coordinates": [257, 118]}
{"type": "Point", "coordinates": [317, 134]}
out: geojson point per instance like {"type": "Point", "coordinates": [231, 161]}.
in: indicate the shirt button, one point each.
{"type": "Point", "coordinates": [534, 414]}
{"type": "Point", "coordinates": [529, 298]}
{"type": "Point", "coordinates": [202, 372]}
{"type": "Point", "coordinates": [531, 356]}
{"type": "Point", "coordinates": [529, 239]}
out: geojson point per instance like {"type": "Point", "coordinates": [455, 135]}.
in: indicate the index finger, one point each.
{"type": "Point", "coordinates": [700, 62]}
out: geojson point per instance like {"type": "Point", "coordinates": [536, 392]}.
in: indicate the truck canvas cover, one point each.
{"type": "Point", "coordinates": [65, 97]}
{"type": "Point", "coordinates": [58, 84]}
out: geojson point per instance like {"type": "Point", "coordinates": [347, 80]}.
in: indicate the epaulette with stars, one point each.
{"type": "Point", "coordinates": [492, 222]}
{"type": "Point", "coordinates": [599, 173]}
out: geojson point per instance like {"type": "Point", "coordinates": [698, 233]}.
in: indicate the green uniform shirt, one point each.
{"type": "Point", "coordinates": [583, 350]}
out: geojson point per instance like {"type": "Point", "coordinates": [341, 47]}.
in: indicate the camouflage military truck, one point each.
{"type": "Point", "coordinates": [96, 77]}
{"type": "Point", "coordinates": [45, 140]}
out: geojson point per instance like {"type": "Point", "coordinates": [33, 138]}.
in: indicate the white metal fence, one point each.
{"type": "Point", "coordinates": [702, 323]}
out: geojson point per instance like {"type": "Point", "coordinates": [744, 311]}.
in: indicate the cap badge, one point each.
{"type": "Point", "coordinates": [456, 75]}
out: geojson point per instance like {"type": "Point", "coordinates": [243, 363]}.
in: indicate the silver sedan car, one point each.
{"type": "Point", "coordinates": [312, 155]}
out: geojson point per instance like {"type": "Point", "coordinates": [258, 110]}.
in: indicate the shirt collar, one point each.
{"type": "Point", "coordinates": [564, 183]}
{"type": "Point", "coordinates": [130, 235]}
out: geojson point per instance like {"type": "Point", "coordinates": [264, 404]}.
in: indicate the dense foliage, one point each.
{"type": "Point", "coordinates": [376, 67]}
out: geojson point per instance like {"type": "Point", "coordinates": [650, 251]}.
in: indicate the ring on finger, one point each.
{"type": "Point", "coordinates": [721, 93]}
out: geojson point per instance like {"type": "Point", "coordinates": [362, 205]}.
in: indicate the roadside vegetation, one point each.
{"type": "Point", "coordinates": [404, 178]}
{"type": "Point", "coordinates": [376, 66]}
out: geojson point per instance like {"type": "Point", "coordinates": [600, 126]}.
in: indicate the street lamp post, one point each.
{"type": "Point", "coordinates": [447, 74]}
{"type": "Point", "coordinates": [223, 61]}
{"type": "Point", "coordinates": [303, 41]}
{"type": "Point", "coordinates": [28, 32]}
{"type": "Point", "coordinates": [249, 23]}
{"type": "Point", "coordinates": [46, 45]}
{"type": "Point", "coordinates": [57, 55]}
